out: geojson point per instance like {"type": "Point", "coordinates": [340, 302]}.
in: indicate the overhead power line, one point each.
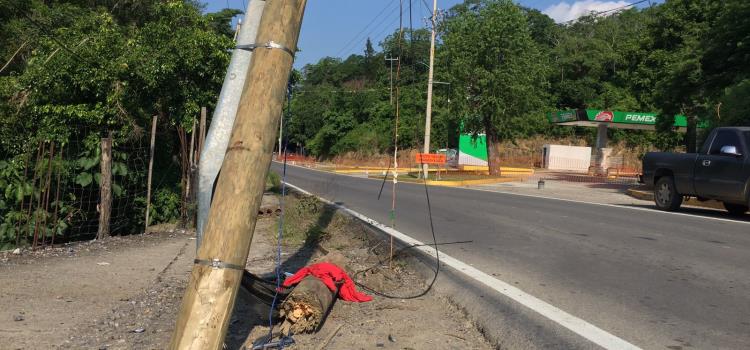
{"type": "Point", "coordinates": [358, 37]}
{"type": "Point", "coordinates": [388, 28]}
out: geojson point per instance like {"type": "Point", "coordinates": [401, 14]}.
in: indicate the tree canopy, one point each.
{"type": "Point", "coordinates": [78, 71]}
{"type": "Point", "coordinates": [508, 66]}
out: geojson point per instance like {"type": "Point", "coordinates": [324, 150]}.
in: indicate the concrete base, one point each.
{"type": "Point", "coordinates": [602, 161]}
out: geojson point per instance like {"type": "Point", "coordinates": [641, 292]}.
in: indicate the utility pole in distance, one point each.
{"type": "Point", "coordinates": [428, 113]}
{"type": "Point", "coordinates": [391, 59]}
{"type": "Point", "coordinates": [220, 261]}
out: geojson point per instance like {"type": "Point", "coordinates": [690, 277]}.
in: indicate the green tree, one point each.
{"type": "Point", "coordinates": [94, 67]}
{"type": "Point", "coordinates": [497, 71]}
{"type": "Point", "coordinates": [676, 51]}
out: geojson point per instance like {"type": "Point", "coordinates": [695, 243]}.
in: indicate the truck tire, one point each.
{"type": "Point", "coordinates": [666, 196]}
{"type": "Point", "coordinates": [735, 209]}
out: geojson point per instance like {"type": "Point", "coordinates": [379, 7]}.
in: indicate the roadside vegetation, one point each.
{"type": "Point", "coordinates": [75, 72]}
{"type": "Point", "coordinates": [508, 66]}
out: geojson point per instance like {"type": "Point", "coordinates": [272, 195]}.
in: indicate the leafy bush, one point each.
{"type": "Point", "coordinates": [165, 206]}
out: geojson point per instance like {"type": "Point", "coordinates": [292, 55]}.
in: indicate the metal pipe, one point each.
{"type": "Point", "coordinates": [217, 139]}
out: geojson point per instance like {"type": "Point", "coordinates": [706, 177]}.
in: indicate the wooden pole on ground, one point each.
{"type": "Point", "coordinates": [306, 307]}
{"type": "Point", "coordinates": [105, 188]}
{"type": "Point", "coordinates": [150, 171]}
{"type": "Point", "coordinates": [210, 296]}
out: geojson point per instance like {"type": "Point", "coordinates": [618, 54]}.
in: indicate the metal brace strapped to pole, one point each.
{"type": "Point", "coordinates": [218, 264]}
{"type": "Point", "coordinates": [268, 45]}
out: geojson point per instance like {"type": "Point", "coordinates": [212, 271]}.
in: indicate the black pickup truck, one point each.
{"type": "Point", "coordinates": [721, 171]}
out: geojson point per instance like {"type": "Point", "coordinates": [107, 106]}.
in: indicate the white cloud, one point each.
{"type": "Point", "coordinates": [564, 12]}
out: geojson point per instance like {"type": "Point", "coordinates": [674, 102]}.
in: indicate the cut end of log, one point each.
{"type": "Point", "coordinates": [304, 309]}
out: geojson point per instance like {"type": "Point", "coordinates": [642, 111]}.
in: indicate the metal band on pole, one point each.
{"type": "Point", "coordinates": [268, 45]}
{"type": "Point", "coordinates": [218, 264]}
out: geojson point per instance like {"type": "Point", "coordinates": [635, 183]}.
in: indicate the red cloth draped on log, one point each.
{"type": "Point", "coordinates": [330, 275]}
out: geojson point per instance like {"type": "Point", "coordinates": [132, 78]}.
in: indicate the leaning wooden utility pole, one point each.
{"type": "Point", "coordinates": [428, 112]}
{"type": "Point", "coordinates": [210, 296]}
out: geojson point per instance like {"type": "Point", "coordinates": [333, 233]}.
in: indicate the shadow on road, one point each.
{"type": "Point", "coordinates": [704, 212]}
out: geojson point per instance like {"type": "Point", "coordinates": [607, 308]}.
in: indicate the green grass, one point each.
{"type": "Point", "coordinates": [307, 221]}
{"type": "Point", "coordinates": [273, 182]}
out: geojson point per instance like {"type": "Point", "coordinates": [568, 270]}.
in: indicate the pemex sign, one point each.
{"type": "Point", "coordinates": [616, 119]}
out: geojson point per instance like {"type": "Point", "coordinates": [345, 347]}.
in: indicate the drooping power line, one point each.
{"type": "Point", "coordinates": [358, 37]}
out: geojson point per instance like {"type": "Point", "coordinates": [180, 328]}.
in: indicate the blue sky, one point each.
{"type": "Point", "coordinates": [339, 28]}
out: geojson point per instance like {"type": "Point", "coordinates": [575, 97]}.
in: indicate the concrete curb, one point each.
{"type": "Point", "coordinates": [649, 196]}
{"type": "Point", "coordinates": [462, 183]}
{"type": "Point", "coordinates": [359, 170]}
{"type": "Point", "coordinates": [640, 194]}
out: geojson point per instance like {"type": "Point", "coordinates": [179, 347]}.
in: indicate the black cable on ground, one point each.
{"type": "Point", "coordinates": [437, 258]}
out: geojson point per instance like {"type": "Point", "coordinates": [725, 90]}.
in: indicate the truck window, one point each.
{"type": "Point", "coordinates": [707, 144]}
{"type": "Point", "coordinates": [725, 138]}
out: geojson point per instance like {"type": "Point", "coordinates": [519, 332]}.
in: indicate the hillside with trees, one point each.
{"type": "Point", "coordinates": [75, 73]}
{"type": "Point", "coordinates": [508, 66]}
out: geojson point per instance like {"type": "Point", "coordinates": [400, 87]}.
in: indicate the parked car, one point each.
{"type": "Point", "coordinates": [720, 171]}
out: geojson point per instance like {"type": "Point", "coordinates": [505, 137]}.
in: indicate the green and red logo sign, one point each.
{"type": "Point", "coordinates": [604, 116]}
{"type": "Point", "coordinates": [615, 117]}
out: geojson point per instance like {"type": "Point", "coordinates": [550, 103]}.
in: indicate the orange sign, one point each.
{"type": "Point", "coordinates": [429, 158]}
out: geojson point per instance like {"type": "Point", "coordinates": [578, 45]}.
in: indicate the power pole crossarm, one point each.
{"type": "Point", "coordinates": [214, 281]}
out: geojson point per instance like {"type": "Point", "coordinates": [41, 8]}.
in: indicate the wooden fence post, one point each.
{"type": "Point", "coordinates": [150, 172]}
{"type": "Point", "coordinates": [220, 262]}
{"type": "Point", "coordinates": [105, 188]}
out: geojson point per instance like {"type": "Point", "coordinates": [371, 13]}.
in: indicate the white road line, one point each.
{"type": "Point", "coordinates": [586, 330]}
{"type": "Point", "coordinates": [650, 210]}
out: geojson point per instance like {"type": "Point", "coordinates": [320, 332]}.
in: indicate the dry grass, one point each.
{"type": "Point", "coordinates": [522, 153]}
{"type": "Point", "coordinates": [308, 221]}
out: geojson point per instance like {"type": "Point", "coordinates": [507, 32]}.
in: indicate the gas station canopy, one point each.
{"type": "Point", "coordinates": [611, 119]}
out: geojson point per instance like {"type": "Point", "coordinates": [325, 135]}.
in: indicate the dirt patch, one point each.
{"type": "Point", "coordinates": [137, 307]}
{"type": "Point", "coordinates": [405, 319]}
{"type": "Point", "coordinates": [48, 295]}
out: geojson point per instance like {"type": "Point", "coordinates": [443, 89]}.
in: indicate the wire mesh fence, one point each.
{"type": "Point", "coordinates": [53, 193]}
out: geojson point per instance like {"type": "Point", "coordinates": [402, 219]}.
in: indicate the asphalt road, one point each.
{"type": "Point", "coordinates": [654, 279]}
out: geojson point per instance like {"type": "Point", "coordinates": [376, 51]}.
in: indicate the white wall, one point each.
{"type": "Point", "coordinates": [568, 158]}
